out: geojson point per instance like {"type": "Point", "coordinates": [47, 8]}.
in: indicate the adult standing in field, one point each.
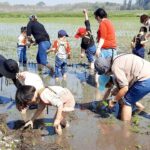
{"type": "Point", "coordinates": [41, 37]}
{"type": "Point", "coordinates": [106, 39]}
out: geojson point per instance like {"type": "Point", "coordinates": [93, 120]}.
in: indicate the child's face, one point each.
{"type": "Point", "coordinates": [34, 99]}
{"type": "Point", "coordinates": [63, 38]}
{"type": "Point", "coordinates": [98, 19]}
{"type": "Point", "coordinates": [25, 33]}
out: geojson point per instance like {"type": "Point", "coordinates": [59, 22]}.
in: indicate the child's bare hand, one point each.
{"type": "Point", "coordinates": [111, 103]}
{"type": "Point", "coordinates": [84, 11]}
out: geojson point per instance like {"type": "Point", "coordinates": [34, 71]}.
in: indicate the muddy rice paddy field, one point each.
{"type": "Point", "coordinates": [89, 129]}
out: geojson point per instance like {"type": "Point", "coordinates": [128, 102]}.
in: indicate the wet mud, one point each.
{"type": "Point", "coordinates": [90, 128]}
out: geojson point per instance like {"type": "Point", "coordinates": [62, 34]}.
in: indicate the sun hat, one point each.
{"type": "Point", "coordinates": [80, 32]}
{"type": "Point", "coordinates": [102, 65]}
{"type": "Point", "coordinates": [8, 67]}
{"type": "Point", "coordinates": [62, 33]}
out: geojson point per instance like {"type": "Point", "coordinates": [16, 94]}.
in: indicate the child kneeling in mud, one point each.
{"type": "Point", "coordinates": [57, 96]}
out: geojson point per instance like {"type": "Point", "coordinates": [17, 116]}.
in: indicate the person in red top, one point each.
{"type": "Point", "coordinates": [105, 35]}
{"type": "Point", "coordinates": [62, 49]}
{"type": "Point", "coordinates": [106, 42]}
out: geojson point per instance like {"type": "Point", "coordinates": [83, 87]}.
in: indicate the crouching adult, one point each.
{"type": "Point", "coordinates": [132, 75]}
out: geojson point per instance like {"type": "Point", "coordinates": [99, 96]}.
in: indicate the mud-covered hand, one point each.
{"type": "Point", "coordinates": [112, 103]}
{"type": "Point", "coordinates": [29, 123]}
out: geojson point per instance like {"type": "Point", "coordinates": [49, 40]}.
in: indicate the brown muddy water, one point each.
{"type": "Point", "coordinates": [89, 129]}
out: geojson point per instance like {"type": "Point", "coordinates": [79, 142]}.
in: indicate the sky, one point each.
{"type": "Point", "coordinates": [55, 2]}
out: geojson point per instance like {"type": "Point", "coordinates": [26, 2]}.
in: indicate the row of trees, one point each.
{"type": "Point", "coordinates": [127, 5]}
{"type": "Point", "coordinates": [139, 4]}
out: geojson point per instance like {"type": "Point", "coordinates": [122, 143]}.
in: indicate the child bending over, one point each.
{"type": "Point", "coordinates": [57, 96]}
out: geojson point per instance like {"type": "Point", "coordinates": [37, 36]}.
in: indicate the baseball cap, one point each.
{"type": "Point", "coordinates": [102, 65]}
{"type": "Point", "coordinates": [62, 33]}
{"type": "Point", "coordinates": [81, 31]}
{"type": "Point", "coordinates": [8, 67]}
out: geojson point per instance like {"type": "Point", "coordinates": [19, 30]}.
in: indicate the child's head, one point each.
{"type": "Point", "coordinates": [23, 29]}
{"type": "Point", "coordinates": [81, 32]}
{"type": "Point", "coordinates": [144, 18]}
{"type": "Point", "coordinates": [25, 95]}
{"type": "Point", "coordinates": [143, 30]}
{"type": "Point", "coordinates": [62, 34]}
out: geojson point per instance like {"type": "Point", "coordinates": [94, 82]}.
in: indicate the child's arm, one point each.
{"type": "Point", "coordinates": [87, 22]}
{"type": "Point", "coordinates": [144, 42]}
{"type": "Point", "coordinates": [133, 43]}
{"type": "Point", "coordinates": [36, 114]}
{"type": "Point", "coordinates": [51, 50]}
{"type": "Point", "coordinates": [85, 14]}
{"type": "Point", "coordinates": [68, 49]}
{"type": "Point", "coordinates": [82, 52]}
{"type": "Point", "coordinates": [58, 116]}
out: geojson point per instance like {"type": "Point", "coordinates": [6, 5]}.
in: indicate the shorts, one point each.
{"type": "Point", "coordinates": [68, 100]}
{"type": "Point", "coordinates": [90, 52]}
{"type": "Point", "coordinates": [139, 52]}
{"type": "Point", "coordinates": [42, 55]}
{"type": "Point", "coordinates": [137, 92]}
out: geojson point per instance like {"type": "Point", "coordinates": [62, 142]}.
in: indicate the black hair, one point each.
{"type": "Point", "coordinates": [60, 36]}
{"type": "Point", "coordinates": [33, 18]}
{"type": "Point", "coordinates": [24, 95]}
{"type": "Point", "coordinates": [144, 18]}
{"type": "Point", "coordinates": [144, 29]}
{"type": "Point", "coordinates": [23, 29]}
{"type": "Point", "coordinates": [100, 12]}
{"type": "Point", "coordinates": [110, 82]}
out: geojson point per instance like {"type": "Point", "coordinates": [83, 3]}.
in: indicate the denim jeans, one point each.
{"type": "Point", "coordinates": [42, 55]}
{"type": "Point", "coordinates": [21, 51]}
{"type": "Point", "coordinates": [136, 92]}
{"type": "Point", "coordinates": [90, 52]}
{"type": "Point", "coordinates": [60, 66]}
